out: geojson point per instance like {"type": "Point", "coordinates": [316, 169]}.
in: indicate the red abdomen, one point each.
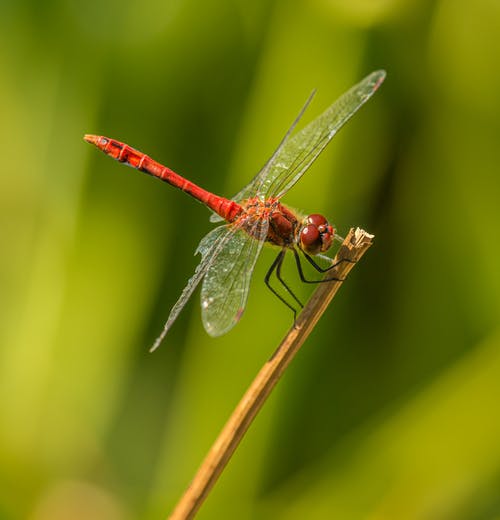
{"type": "Point", "coordinates": [227, 209]}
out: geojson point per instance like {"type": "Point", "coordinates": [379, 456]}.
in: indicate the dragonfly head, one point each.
{"type": "Point", "coordinates": [316, 234]}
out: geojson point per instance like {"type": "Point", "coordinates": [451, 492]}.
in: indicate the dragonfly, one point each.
{"type": "Point", "coordinates": [255, 215]}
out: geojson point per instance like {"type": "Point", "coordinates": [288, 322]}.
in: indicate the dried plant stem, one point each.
{"type": "Point", "coordinates": [353, 247]}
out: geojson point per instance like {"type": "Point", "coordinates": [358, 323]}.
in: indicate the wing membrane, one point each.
{"type": "Point", "coordinates": [250, 189]}
{"type": "Point", "coordinates": [225, 287]}
{"type": "Point", "coordinates": [295, 154]}
{"type": "Point", "coordinates": [300, 151]}
{"type": "Point", "coordinates": [210, 247]}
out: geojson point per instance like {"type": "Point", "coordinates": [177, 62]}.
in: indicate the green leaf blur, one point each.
{"type": "Point", "coordinates": [391, 409]}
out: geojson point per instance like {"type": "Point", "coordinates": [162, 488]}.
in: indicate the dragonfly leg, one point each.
{"type": "Point", "coordinates": [276, 266]}
{"type": "Point", "coordinates": [318, 268]}
{"type": "Point", "coordinates": [283, 283]}
{"type": "Point", "coordinates": [326, 269]}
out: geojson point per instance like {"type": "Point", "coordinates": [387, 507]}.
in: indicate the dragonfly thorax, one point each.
{"type": "Point", "coordinates": [316, 234]}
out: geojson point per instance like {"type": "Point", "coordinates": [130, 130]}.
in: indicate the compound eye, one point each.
{"type": "Point", "coordinates": [317, 220]}
{"type": "Point", "coordinates": [310, 239]}
{"type": "Point", "coordinates": [316, 235]}
{"type": "Point", "coordinates": [103, 141]}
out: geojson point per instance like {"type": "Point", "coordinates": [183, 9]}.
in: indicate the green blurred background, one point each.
{"type": "Point", "coordinates": [391, 411]}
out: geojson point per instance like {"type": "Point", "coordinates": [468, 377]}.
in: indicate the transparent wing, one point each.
{"type": "Point", "coordinates": [210, 247]}
{"type": "Point", "coordinates": [225, 287]}
{"type": "Point", "coordinates": [303, 148]}
{"type": "Point", "coordinates": [296, 154]}
{"type": "Point", "coordinates": [250, 189]}
{"type": "Point", "coordinates": [216, 218]}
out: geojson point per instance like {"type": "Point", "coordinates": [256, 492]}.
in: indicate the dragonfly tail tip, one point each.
{"type": "Point", "coordinates": [92, 139]}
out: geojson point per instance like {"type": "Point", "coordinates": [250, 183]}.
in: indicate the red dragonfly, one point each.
{"type": "Point", "coordinates": [255, 215]}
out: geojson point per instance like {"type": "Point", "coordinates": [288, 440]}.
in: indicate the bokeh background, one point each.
{"type": "Point", "coordinates": [391, 410]}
